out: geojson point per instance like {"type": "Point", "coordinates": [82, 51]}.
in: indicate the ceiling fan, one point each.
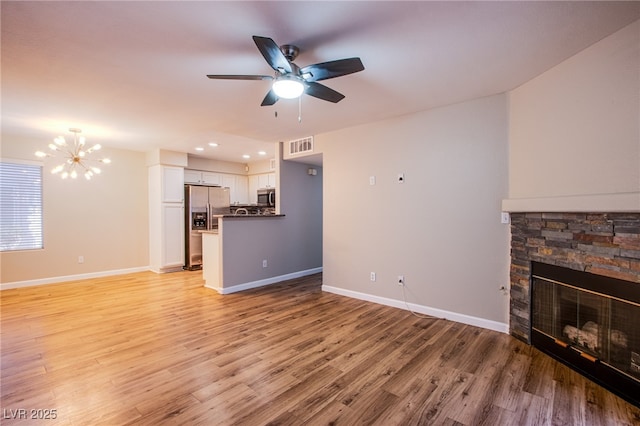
{"type": "Point", "coordinates": [291, 81]}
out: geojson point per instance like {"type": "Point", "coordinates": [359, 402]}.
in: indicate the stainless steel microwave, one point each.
{"type": "Point", "coordinates": [267, 197]}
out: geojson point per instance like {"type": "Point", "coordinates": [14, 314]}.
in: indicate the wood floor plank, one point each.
{"type": "Point", "coordinates": [149, 349]}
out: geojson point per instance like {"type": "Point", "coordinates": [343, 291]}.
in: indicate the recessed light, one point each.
{"type": "Point", "coordinates": [199, 148]}
{"type": "Point", "coordinates": [246, 156]}
{"type": "Point", "coordinates": [213, 144]}
{"type": "Point", "coordinates": [262, 153]}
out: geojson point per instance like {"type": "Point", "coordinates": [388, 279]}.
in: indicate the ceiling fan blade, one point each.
{"type": "Point", "coordinates": [331, 69]}
{"type": "Point", "coordinates": [319, 91]}
{"type": "Point", "coordinates": [272, 54]}
{"type": "Point", "coordinates": [239, 77]}
{"type": "Point", "coordinates": [270, 99]}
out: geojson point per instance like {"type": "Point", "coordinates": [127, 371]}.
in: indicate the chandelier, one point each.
{"type": "Point", "coordinates": [75, 157]}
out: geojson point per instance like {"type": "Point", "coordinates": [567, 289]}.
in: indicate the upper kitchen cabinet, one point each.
{"type": "Point", "coordinates": [237, 188]}
{"type": "Point", "coordinates": [172, 187]}
{"type": "Point", "coordinates": [202, 178]}
{"type": "Point", "coordinates": [267, 180]}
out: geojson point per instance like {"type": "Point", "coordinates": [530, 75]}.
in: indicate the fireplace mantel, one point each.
{"type": "Point", "coordinates": [628, 202]}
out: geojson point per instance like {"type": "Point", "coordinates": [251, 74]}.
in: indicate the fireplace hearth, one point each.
{"type": "Point", "coordinates": [601, 244]}
{"type": "Point", "coordinates": [589, 322]}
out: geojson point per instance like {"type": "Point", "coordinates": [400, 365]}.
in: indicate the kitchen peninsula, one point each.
{"type": "Point", "coordinates": [240, 254]}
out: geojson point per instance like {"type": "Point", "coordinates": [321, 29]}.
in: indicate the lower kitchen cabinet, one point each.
{"type": "Point", "coordinates": [172, 256]}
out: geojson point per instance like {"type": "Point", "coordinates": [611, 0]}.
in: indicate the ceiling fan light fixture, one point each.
{"type": "Point", "coordinates": [288, 87]}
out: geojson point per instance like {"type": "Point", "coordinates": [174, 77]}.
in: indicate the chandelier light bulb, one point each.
{"type": "Point", "coordinates": [75, 158]}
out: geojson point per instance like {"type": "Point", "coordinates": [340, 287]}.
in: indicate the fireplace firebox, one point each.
{"type": "Point", "coordinates": [590, 323]}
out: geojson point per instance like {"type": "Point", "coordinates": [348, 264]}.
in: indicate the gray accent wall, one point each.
{"type": "Point", "coordinates": [290, 244]}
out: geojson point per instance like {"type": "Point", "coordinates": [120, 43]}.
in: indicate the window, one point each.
{"type": "Point", "coordinates": [20, 206]}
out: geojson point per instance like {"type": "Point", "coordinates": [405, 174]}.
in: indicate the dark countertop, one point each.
{"type": "Point", "coordinates": [227, 216]}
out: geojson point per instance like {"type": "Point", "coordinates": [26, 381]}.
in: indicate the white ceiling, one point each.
{"type": "Point", "coordinates": [132, 74]}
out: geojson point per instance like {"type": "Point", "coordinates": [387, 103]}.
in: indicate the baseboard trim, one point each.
{"type": "Point", "coordinates": [264, 282]}
{"type": "Point", "coordinates": [420, 309]}
{"type": "Point", "coordinates": [58, 280]}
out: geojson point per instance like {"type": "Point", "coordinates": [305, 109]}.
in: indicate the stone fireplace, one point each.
{"type": "Point", "coordinates": [605, 245]}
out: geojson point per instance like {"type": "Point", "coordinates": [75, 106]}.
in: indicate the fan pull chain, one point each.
{"type": "Point", "coordinates": [300, 109]}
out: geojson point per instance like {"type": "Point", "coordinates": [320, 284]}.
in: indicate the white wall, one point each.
{"type": "Point", "coordinates": [575, 132]}
{"type": "Point", "coordinates": [441, 229]}
{"type": "Point", "coordinates": [104, 220]}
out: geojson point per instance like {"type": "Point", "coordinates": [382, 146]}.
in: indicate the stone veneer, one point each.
{"type": "Point", "coordinates": [599, 243]}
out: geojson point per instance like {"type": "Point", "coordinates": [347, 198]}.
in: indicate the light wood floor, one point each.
{"type": "Point", "coordinates": [149, 349]}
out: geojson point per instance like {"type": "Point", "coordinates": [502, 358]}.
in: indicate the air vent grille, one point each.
{"type": "Point", "coordinates": [301, 146]}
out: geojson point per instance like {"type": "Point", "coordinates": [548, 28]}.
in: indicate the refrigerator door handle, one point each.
{"type": "Point", "coordinates": [208, 216]}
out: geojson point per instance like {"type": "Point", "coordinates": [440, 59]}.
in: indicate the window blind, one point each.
{"type": "Point", "coordinates": [20, 206]}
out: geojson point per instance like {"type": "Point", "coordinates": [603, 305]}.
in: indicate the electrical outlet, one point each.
{"type": "Point", "coordinates": [504, 217]}
{"type": "Point", "coordinates": [372, 180]}
{"type": "Point", "coordinates": [400, 279]}
{"type": "Point", "coordinates": [372, 276]}
{"type": "Point", "coordinates": [264, 263]}
{"type": "Point", "coordinates": [80, 259]}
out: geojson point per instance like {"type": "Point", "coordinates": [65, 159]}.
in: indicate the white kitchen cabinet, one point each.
{"type": "Point", "coordinates": [229, 181]}
{"type": "Point", "coordinates": [254, 185]}
{"type": "Point", "coordinates": [172, 237]}
{"type": "Point", "coordinates": [166, 218]}
{"type": "Point", "coordinates": [267, 180]}
{"type": "Point", "coordinates": [202, 178]}
{"type": "Point", "coordinates": [237, 188]}
{"type": "Point", "coordinates": [242, 189]}
{"type": "Point", "coordinates": [192, 176]}
{"type": "Point", "coordinates": [210, 178]}
{"type": "Point", "coordinates": [172, 184]}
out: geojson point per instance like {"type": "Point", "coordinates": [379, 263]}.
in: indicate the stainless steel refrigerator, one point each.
{"type": "Point", "coordinates": [202, 203]}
